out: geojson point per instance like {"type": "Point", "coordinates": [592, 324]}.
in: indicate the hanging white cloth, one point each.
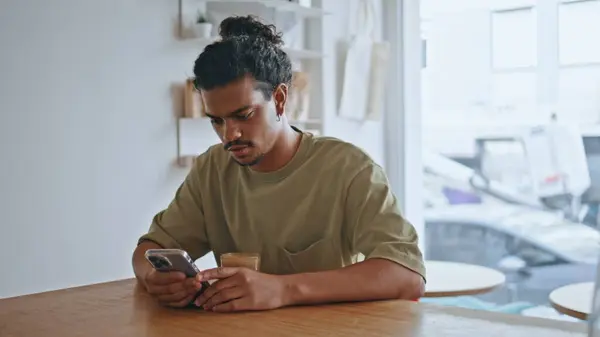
{"type": "Point", "coordinates": [364, 69]}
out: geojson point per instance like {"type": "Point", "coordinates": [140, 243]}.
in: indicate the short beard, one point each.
{"type": "Point", "coordinates": [256, 160]}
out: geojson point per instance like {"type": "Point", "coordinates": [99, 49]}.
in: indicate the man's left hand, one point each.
{"type": "Point", "coordinates": [241, 289]}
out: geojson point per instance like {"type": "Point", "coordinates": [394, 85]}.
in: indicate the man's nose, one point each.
{"type": "Point", "coordinates": [232, 132]}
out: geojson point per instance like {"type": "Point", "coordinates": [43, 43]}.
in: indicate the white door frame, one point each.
{"type": "Point", "coordinates": [402, 129]}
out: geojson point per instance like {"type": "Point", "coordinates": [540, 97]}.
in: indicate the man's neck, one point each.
{"type": "Point", "coordinates": [282, 152]}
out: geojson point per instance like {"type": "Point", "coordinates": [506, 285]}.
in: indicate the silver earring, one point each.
{"type": "Point", "coordinates": [278, 118]}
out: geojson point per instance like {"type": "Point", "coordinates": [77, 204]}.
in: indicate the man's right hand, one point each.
{"type": "Point", "coordinates": [172, 289]}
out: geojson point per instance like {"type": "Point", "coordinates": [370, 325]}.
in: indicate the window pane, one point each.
{"type": "Point", "coordinates": [514, 38]}
{"type": "Point", "coordinates": [579, 23]}
{"type": "Point", "coordinates": [509, 182]}
{"type": "Point", "coordinates": [580, 93]}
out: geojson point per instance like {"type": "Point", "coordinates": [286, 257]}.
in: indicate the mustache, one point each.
{"type": "Point", "coordinates": [237, 142]}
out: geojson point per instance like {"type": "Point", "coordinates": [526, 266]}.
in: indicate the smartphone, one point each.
{"type": "Point", "coordinates": [167, 260]}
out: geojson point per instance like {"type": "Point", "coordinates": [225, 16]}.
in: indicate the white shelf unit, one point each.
{"type": "Point", "coordinates": [282, 6]}
{"type": "Point", "coordinates": [294, 53]}
{"type": "Point", "coordinates": [196, 134]}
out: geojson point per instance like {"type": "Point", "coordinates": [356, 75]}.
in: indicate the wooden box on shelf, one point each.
{"type": "Point", "coordinates": [186, 161]}
{"type": "Point", "coordinates": [299, 97]}
{"type": "Point", "coordinates": [194, 105]}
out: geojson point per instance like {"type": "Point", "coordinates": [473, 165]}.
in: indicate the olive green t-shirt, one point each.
{"type": "Point", "coordinates": [327, 206]}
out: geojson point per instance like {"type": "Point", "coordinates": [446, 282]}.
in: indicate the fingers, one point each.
{"type": "Point", "coordinates": [189, 285]}
{"type": "Point", "coordinates": [178, 298]}
{"type": "Point", "coordinates": [172, 289]}
{"type": "Point", "coordinates": [173, 297]}
{"type": "Point", "coordinates": [217, 273]}
{"type": "Point", "coordinates": [182, 303]}
{"type": "Point", "coordinates": [240, 304]}
{"type": "Point", "coordinates": [214, 289]}
{"type": "Point", "coordinates": [224, 296]}
{"type": "Point", "coordinates": [164, 278]}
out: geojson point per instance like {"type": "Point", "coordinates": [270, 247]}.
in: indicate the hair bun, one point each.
{"type": "Point", "coordinates": [250, 26]}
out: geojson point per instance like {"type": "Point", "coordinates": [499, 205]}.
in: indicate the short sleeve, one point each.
{"type": "Point", "coordinates": [375, 226]}
{"type": "Point", "coordinates": [181, 225]}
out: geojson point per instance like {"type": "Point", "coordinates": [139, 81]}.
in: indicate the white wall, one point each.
{"type": "Point", "coordinates": [336, 27]}
{"type": "Point", "coordinates": [88, 134]}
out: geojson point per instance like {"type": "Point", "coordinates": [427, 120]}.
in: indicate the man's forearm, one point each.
{"type": "Point", "coordinates": [373, 279]}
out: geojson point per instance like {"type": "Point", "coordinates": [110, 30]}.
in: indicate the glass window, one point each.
{"type": "Point", "coordinates": [533, 255]}
{"type": "Point", "coordinates": [577, 21]}
{"type": "Point", "coordinates": [493, 84]}
{"type": "Point", "coordinates": [514, 93]}
{"type": "Point", "coordinates": [514, 38]}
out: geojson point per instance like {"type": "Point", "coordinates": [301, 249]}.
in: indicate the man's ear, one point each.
{"type": "Point", "coordinates": [280, 96]}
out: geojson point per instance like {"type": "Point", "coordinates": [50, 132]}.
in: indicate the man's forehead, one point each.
{"type": "Point", "coordinates": [223, 105]}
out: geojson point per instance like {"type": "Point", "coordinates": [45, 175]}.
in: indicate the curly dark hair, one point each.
{"type": "Point", "coordinates": [247, 47]}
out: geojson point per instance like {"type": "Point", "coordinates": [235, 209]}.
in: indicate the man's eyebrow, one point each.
{"type": "Point", "coordinates": [234, 112]}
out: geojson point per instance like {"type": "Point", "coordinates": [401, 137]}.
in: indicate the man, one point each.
{"type": "Point", "coordinates": [308, 205]}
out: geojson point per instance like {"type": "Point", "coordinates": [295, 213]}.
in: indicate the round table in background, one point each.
{"type": "Point", "coordinates": [574, 300]}
{"type": "Point", "coordinates": [446, 279]}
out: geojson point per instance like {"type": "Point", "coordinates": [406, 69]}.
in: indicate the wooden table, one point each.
{"type": "Point", "coordinates": [122, 309]}
{"type": "Point", "coordinates": [574, 300]}
{"type": "Point", "coordinates": [445, 279]}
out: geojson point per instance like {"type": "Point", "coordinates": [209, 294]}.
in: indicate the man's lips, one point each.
{"type": "Point", "coordinates": [238, 147]}
{"type": "Point", "coordinates": [239, 150]}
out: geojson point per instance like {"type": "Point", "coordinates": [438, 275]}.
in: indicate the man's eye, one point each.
{"type": "Point", "coordinates": [216, 120]}
{"type": "Point", "coordinates": [244, 117]}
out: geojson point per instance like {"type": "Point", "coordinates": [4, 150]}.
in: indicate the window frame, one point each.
{"type": "Point", "coordinates": [402, 117]}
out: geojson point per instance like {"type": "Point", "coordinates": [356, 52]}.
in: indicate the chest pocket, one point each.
{"type": "Point", "coordinates": [321, 255]}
